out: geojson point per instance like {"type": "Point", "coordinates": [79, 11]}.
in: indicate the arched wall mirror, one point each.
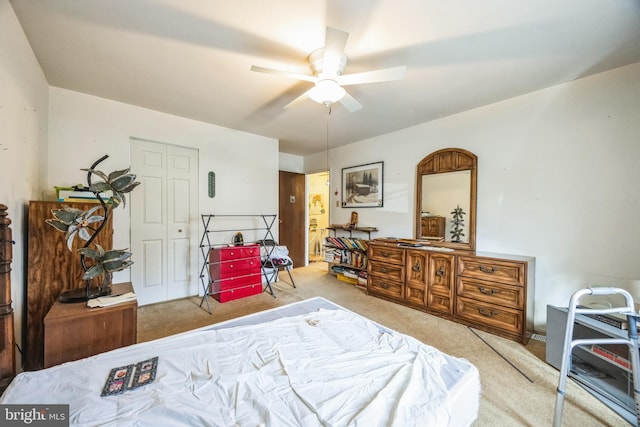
{"type": "Point", "coordinates": [446, 182]}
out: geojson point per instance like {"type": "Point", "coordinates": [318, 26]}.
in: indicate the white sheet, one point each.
{"type": "Point", "coordinates": [327, 367]}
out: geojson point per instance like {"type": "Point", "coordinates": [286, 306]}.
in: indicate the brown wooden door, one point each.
{"type": "Point", "coordinates": [291, 213]}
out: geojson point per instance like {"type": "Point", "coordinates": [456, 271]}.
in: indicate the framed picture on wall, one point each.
{"type": "Point", "coordinates": [362, 186]}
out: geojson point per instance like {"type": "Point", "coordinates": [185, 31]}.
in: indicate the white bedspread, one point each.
{"type": "Point", "coordinates": [324, 368]}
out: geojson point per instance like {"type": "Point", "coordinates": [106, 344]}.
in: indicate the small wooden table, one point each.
{"type": "Point", "coordinates": [73, 330]}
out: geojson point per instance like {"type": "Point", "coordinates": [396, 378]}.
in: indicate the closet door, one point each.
{"type": "Point", "coordinates": [164, 221]}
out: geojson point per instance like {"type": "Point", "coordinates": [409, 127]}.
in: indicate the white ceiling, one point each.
{"type": "Point", "coordinates": [192, 58]}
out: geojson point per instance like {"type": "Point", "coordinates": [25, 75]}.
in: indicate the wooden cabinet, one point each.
{"type": "Point", "coordinates": [51, 268]}
{"type": "Point", "coordinates": [417, 274]}
{"type": "Point", "coordinates": [386, 272]}
{"type": "Point", "coordinates": [441, 284]}
{"type": "Point", "coordinates": [490, 292]}
{"type": "Point", "coordinates": [73, 330]}
{"type": "Point", "coordinates": [235, 272]}
{"type": "Point", "coordinates": [415, 277]}
{"type": "Point", "coordinates": [432, 226]}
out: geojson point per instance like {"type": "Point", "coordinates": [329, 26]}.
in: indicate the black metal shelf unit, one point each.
{"type": "Point", "coordinates": [214, 229]}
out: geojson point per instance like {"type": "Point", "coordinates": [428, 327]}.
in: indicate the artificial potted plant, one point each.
{"type": "Point", "coordinates": [457, 223]}
{"type": "Point", "coordinates": [88, 224]}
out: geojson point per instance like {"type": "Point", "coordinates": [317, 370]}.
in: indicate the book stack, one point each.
{"type": "Point", "coordinates": [347, 243]}
{"type": "Point", "coordinates": [614, 319]}
{"type": "Point", "coordinates": [74, 194]}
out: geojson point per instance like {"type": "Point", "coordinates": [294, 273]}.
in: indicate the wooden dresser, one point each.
{"type": "Point", "coordinates": [235, 272]}
{"type": "Point", "coordinates": [73, 330]}
{"type": "Point", "coordinates": [490, 292]}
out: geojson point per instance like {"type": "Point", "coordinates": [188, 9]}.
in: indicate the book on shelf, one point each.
{"type": "Point", "coordinates": [616, 320]}
{"type": "Point", "coordinates": [607, 354]}
{"type": "Point", "coordinates": [73, 194]}
{"type": "Point", "coordinates": [79, 196]}
{"type": "Point", "coordinates": [346, 243]}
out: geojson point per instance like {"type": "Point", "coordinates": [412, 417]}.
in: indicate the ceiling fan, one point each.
{"type": "Point", "coordinates": [327, 65]}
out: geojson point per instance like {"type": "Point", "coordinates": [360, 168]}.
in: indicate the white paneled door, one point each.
{"type": "Point", "coordinates": [164, 221]}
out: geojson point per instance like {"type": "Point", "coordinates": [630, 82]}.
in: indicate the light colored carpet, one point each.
{"type": "Point", "coordinates": [523, 395]}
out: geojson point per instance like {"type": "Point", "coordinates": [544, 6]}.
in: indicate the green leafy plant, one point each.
{"type": "Point", "coordinates": [88, 224]}
{"type": "Point", "coordinates": [458, 224]}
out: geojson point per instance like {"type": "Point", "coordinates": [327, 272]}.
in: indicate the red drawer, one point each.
{"type": "Point", "coordinates": [238, 252]}
{"type": "Point", "coordinates": [218, 285]}
{"type": "Point", "coordinates": [233, 294]}
{"type": "Point", "coordinates": [239, 267]}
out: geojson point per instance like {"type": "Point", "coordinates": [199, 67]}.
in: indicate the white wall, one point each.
{"type": "Point", "coordinates": [23, 150]}
{"type": "Point", "coordinates": [291, 163]}
{"type": "Point", "coordinates": [558, 174]}
{"type": "Point", "coordinates": [82, 128]}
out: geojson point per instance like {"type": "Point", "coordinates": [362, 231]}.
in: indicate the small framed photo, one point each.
{"type": "Point", "coordinates": [362, 186]}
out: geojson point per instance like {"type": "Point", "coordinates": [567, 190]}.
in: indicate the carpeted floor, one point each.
{"type": "Point", "coordinates": [518, 386]}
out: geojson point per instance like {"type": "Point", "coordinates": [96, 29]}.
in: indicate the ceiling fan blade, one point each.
{"type": "Point", "coordinates": [383, 75]}
{"type": "Point", "coordinates": [350, 103]}
{"type": "Point", "coordinates": [334, 44]}
{"type": "Point", "coordinates": [299, 100]}
{"type": "Point", "coordinates": [290, 75]}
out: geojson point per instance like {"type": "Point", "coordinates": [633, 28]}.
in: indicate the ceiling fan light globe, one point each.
{"type": "Point", "coordinates": [326, 92]}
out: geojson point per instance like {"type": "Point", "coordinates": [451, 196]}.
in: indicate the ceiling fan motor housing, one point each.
{"type": "Point", "coordinates": [316, 63]}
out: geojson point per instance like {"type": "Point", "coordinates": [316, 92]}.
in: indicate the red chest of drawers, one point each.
{"type": "Point", "coordinates": [235, 272]}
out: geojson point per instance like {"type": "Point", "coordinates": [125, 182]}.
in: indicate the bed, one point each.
{"type": "Point", "coordinates": [311, 363]}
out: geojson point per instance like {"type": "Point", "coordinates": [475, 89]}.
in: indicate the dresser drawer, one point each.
{"type": "Point", "coordinates": [390, 255]}
{"type": "Point", "coordinates": [238, 252]}
{"type": "Point", "coordinates": [237, 293]}
{"type": "Point", "coordinates": [238, 281]}
{"type": "Point", "coordinates": [238, 267]}
{"type": "Point", "coordinates": [491, 292]}
{"type": "Point", "coordinates": [384, 287]}
{"type": "Point", "coordinates": [502, 318]}
{"type": "Point", "coordinates": [495, 270]}
{"type": "Point", "coordinates": [387, 271]}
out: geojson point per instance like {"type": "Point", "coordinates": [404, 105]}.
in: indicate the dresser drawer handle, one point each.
{"type": "Point", "coordinates": [486, 291]}
{"type": "Point", "coordinates": [487, 313]}
{"type": "Point", "coordinates": [489, 270]}
{"type": "Point", "coordinates": [440, 272]}
{"type": "Point", "coordinates": [384, 285]}
{"type": "Point", "coordinates": [385, 254]}
{"type": "Point", "coordinates": [384, 270]}
{"type": "Point", "coordinates": [416, 267]}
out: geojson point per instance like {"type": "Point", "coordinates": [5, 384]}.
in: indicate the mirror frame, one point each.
{"type": "Point", "coordinates": [442, 161]}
